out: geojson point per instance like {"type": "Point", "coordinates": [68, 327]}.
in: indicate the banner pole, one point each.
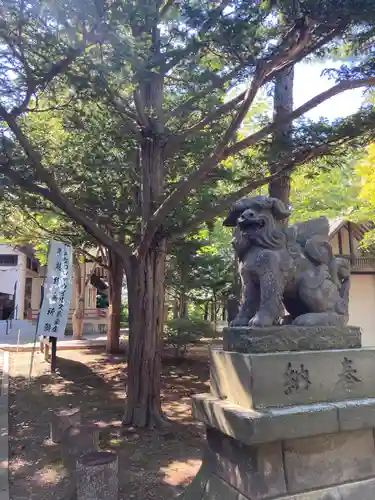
{"type": "Point", "coordinates": [18, 338]}
{"type": "Point", "coordinates": [37, 321]}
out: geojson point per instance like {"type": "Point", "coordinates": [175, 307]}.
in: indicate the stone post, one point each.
{"type": "Point", "coordinates": [97, 476]}
{"type": "Point", "coordinates": [78, 441]}
{"type": "Point", "coordinates": [62, 419]}
{"type": "Point", "coordinates": [290, 416]}
{"type": "Point", "coordinates": [46, 350]}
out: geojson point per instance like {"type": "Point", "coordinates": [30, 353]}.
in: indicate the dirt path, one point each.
{"type": "Point", "coordinates": [152, 464]}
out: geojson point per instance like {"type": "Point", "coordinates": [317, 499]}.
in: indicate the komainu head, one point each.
{"type": "Point", "coordinates": [256, 214]}
{"type": "Point", "coordinates": [257, 222]}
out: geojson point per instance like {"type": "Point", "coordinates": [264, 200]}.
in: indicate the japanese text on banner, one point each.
{"type": "Point", "coordinates": [55, 306]}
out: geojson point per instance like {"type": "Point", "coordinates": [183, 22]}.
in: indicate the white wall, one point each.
{"type": "Point", "coordinates": [9, 275]}
{"type": "Point", "coordinates": [362, 306]}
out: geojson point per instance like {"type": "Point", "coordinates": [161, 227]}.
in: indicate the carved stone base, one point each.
{"type": "Point", "coordinates": [242, 483]}
{"type": "Point", "coordinates": [336, 466]}
{"type": "Point", "coordinates": [288, 426]}
{"type": "Point", "coordinates": [291, 338]}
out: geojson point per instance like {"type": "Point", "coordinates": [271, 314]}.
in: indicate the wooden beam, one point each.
{"type": "Point", "coordinates": [351, 248]}
{"type": "Point", "coordinates": [339, 236]}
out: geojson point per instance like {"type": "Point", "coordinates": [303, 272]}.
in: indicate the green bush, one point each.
{"type": "Point", "coordinates": [124, 317]}
{"type": "Point", "coordinates": [180, 333]}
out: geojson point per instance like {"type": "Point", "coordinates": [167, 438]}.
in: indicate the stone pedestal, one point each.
{"type": "Point", "coordinates": [78, 441]}
{"type": "Point", "coordinates": [62, 419]}
{"type": "Point", "coordinates": [97, 476]}
{"type": "Point", "coordinates": [288, 425]}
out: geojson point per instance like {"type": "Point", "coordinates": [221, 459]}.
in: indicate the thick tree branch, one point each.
{"type": "Point", "coordinates": [209, 211]}
{"type": "Point", "coordinates": [311, 104]}
{"type": "Point", "coordinates": [263, 70]}
{"type": "Point", "coordinates": [175, 142]}
{"type": "Point", "coordinates": [195, 179]}
{"type": "Point", "coordinates": [165, 8]}
{"type": "Point", "coordinates": [194, 45]}
{"type": "Point", "coordinates": [129, 118]}
{"type": "Point", "coordinates": [54, 194]}
{"type": "Point", "coordinates": [218, 82]}
{"type": "Point", "coordinates": [56, 69]}
{"type": "Point", "coordinates": [172, 201]}
{"type": "Point", "coordinates": [66, 238]}
{"type": "Point", "coordinates": [140, 107]}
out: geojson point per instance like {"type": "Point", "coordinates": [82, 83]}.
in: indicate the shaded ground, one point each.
{"type": "Point", "coordinates": [152, 464]}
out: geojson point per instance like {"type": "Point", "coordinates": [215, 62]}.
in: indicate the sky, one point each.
{"type": "Point", "coordinates": [308, 82]}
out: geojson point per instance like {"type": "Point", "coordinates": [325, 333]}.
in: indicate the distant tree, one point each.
{"type": "Point", "coordinates": [365, 170]}
{"type": "Point", "coordinates": [333, 191]}
{"type": "Point", "coordinates": [200, 271]}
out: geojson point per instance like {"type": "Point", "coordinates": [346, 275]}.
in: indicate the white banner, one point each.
{"type": "Point", "coordinates": [57, 291]}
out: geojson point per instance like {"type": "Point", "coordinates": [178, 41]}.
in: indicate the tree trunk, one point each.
{"type": "Point", "coordinates": [115, 275]}
{"type": "Point", "coordinates": [145, 271]}
{"type": "Point", "coordinates": [184, 303]}
{"type": "Point", "coordinates": [212, 310]}
{"type": "Point", "coordinates": [176, 307]}
{"type": "Point", "coordinates": [79, 313]}
{"type": "Point", "coordinates": [283, 105]}
{"type": "Point", "coordinates": [146, 306]}
{"type": "Point", "coordinates": [206, 307]}
{"type": "Point", "coordinates": [215, 310]}
{"type": "Point", "coordinates": [78, 319]}
{"type": "Point", "coordinates": [184, 299]}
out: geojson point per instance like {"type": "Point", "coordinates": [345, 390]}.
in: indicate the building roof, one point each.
{"type": "Point", "coordinates": [358, 229]}
{"type": "Point", "coordinates": [335, 225]}
{"type": "Point", "coordinates": [25, 249]}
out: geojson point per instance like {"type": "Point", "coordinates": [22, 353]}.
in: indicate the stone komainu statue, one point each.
{"type": "Point", "coordinates": [290, 268]}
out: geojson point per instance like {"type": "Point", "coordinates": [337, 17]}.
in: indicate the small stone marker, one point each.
{"type": "Point", "coordinates": [97, 476]}
{"type": "Point", "coordinates": [62, 419]}
{"type": "Point", "coordinates": [46, 351]}
{"type": "Point", "coordinates": [78, 441]}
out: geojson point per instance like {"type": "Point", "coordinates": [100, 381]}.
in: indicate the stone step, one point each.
{"type": "Point", "coordinates": [255, 426]}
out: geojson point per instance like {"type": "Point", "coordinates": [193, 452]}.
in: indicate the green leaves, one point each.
{"type": "Point", "coordinates": [94, 84]}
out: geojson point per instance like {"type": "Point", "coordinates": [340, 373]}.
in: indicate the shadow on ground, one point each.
{"type": "Point", "coordinates": [153, 464]}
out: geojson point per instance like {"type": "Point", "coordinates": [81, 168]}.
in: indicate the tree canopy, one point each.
{"type": "Point", "coordinates": [59, 57]}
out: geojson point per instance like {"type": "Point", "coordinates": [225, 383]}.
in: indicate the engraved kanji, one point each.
{"type": "Point", "coordinates": [296, 379]}
{"type": "Point", "coordinates": [349, 374]}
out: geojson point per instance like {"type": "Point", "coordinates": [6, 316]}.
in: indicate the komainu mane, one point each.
{"type": "Point", "coordinates": [286, 269]}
